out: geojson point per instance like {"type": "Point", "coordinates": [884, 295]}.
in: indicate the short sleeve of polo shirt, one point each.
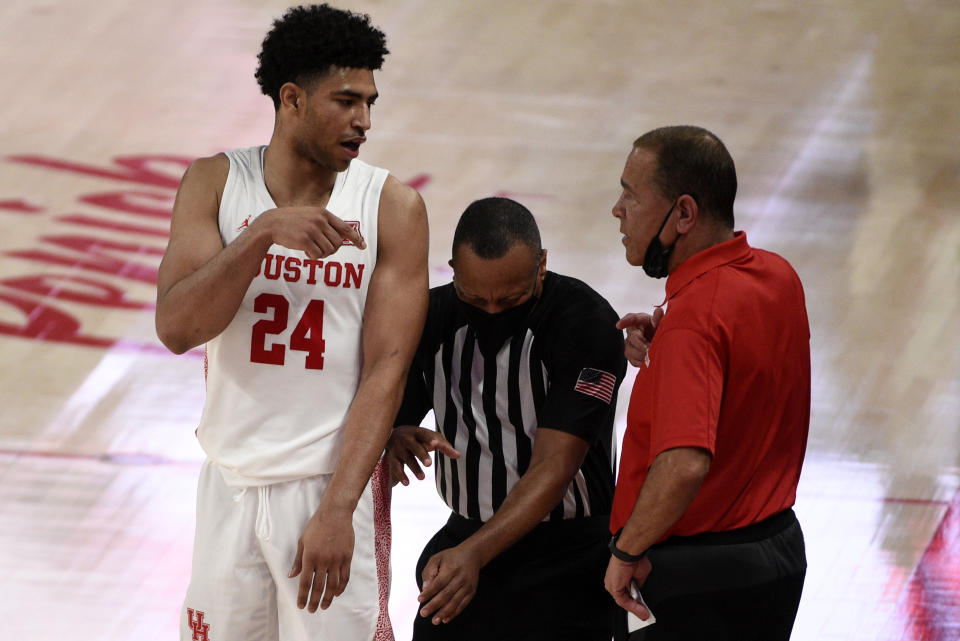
{"type": "Point", "coordinates": [687, 391]}
{"type": "Point", "coordinates": [585, 368]}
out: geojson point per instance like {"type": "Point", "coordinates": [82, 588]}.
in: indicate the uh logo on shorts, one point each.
{"type": "Point", "coordinates": [201, 630]}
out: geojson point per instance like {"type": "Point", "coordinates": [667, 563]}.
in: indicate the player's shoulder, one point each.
{"type": "Point", "coordinates": [212, 164]}
{"type": "Point", "coordinates": [210, 171]}
{"type": "Point", "coordinates": [402, 217]}
{"type": "Point", "coordinates": [401, 198]}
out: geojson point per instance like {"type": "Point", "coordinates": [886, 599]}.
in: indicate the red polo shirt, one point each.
{"type": "Point", "coordinates": [728, 371]}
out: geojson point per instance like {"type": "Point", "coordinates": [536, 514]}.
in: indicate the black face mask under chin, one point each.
{"type": "Point", "coordinates": [494, 329]}
{"type": "Point", "coordinates": [657, 256]}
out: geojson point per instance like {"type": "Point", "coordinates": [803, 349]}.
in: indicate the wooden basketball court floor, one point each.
{"type": "Point", "coordinates": [843, 118]}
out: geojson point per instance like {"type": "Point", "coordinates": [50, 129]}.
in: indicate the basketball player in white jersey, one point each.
{"type": "Point", "coordinates": [304, 272]}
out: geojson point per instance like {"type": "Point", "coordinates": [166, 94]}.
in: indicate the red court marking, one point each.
{"type": "Point", "coordinates": [102, 223]}
{"type": "Point", "coordinates": [916, 501]}
{"type": "Point", "coordinates": [76, 289]}
{"type": "Point", "coordinates": [20, 206]}
{"type": "Point", "coordinates": [95, 254]}
{"type": "Point", "coordinates": [930, 606]}
{"type": "Point", "coordinates": [419, 181]}
{"type": "Point", "coordinates": [143, 170]}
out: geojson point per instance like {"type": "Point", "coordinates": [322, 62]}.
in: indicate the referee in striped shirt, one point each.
{"type": "Point", "coordinates": [521, 367]}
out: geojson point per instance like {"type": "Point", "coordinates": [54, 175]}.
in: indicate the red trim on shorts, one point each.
{"type": "Point", "coordinates": [380, 484]}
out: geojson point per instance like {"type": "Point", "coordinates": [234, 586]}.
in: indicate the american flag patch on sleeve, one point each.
{"type": "Point", "coordinates": [596, 383]}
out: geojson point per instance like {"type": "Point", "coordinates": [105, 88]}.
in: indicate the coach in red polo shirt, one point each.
{"type": "Point", "coordinates": [718, 418]}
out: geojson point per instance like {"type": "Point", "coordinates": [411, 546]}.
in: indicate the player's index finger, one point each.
{"type": "Point", "coordinates": [347, 230]}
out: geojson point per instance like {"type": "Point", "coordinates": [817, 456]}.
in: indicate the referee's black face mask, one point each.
{"type": "Point", "coordinates": [494, 329]}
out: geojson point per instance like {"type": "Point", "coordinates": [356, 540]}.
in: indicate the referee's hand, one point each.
{"type": "Point", "coordinates": [410, 445]}
{"type": "Point", "coordinates": [449, 583]}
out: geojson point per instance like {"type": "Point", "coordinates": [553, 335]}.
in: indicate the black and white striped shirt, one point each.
{"type": "Point", "coordinates": [560, 370]}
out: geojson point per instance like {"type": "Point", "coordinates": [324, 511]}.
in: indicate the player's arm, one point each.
{"type": "Point", "coordinates": [201, 283]}
{"type": "Point", "coordinates": [393, 319]}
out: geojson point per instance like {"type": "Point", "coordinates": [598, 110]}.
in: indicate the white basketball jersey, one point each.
{"type": "Point", "coordinates": [282, 375]}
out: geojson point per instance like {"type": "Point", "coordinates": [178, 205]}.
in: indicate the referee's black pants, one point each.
{"type": "Point", "coordinates": [548, 585]}
{"type": "Point", "coordinates": [741, 585]}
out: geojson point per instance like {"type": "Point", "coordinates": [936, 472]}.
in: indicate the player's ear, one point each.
{"type": "Point", "coordinates": [292, 97]}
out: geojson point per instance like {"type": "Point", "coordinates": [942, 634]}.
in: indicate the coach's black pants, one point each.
{"type": "Point", "coordinates": [741, 585]}
{"type": "Point", "coordinates": [549, 585]}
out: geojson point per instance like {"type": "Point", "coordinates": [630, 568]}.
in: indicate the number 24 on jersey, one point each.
{"type": "Point", "coordinates": [307, 336]}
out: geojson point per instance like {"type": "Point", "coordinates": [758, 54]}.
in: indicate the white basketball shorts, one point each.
{"type": "Point", "coordinates": [245, 545]}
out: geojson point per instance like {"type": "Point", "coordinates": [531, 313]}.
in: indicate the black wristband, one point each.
{"type": "Point", "coordinates": [620, 554]}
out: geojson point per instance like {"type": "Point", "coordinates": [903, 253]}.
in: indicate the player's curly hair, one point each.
{"type": "Point", "coordinates": [309, 40]}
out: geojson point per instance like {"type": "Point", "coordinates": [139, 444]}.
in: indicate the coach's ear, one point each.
{"type": "Point", "coordinates": [687, 213]}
